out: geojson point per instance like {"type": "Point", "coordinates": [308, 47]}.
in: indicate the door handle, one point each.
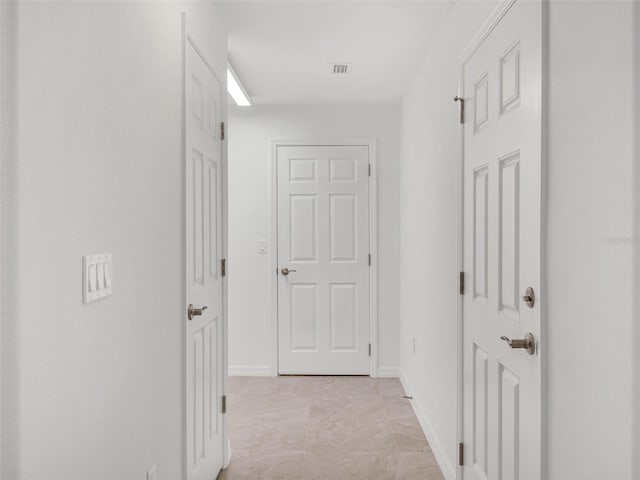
{"type": "Point", "coordinates": [528, 343]}
{"type": "Point", "coordinates": [285, 271]}
{"type": "Point", "coordinates": [193, 311]}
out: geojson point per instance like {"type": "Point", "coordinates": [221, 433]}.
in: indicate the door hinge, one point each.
{"type": "Point", "coordinates": [461, 283]}
{"type": "Point", "coordinates": [223, 267]}
{"type": "Point", "coordinates": [369, 259]}
{"type": "Point", "coordinates": [461, 454]}
{"type": "Point", "coordinates": [461, 100]}
{"type": "Point", "coordinates": [369, 349]}
{"type": "Point", "coordinates": [224, 404]}
{"type": "Point", "coordinates": [369, 169]}
{"type": "Point", "coordinates": [221, 130]}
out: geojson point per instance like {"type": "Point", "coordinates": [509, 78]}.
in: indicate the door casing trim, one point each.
{"type": "Point", "coordinates": [371, 143]}
{"type": "Point", "coordinates": [483, 32]}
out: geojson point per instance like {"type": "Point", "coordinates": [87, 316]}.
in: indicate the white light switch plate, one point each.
{"type": "Point", "coordinates": [96, 278]}
{"type": "Point", "coordinates": [262, 246]}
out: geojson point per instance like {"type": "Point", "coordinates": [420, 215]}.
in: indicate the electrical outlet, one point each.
{"type": "Point", "coordinates": [151, 474]}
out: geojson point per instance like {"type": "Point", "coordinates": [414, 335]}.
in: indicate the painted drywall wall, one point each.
{"type": "Point", "coordinates": [95, 391]}
{"type": "Point", "coordinates": [590, 240]}
{"type": "Point", "coordinates": [590, 244]}
{"type": "Point", "coordinates": [251, 131]}
{"type": "Point", "coordinates": [429, 168]}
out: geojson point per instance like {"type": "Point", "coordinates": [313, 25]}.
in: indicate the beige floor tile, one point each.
{"type": "Point", "coordinates": [346, 434]}
{"type": "Point", "coordinates": [409, 437]}
{"type": "Point", "coordinates": [269, 434]}
{"type": "Point", "coordinates": [353, 466]}
{"type": "Point", "coordinates": [323, 427]}
{"type": "Point", "coordinates": [275, 466]}
{"type": "Point", "coordinates": [398, 408]}
{"type": "Point", "coordinates": [418, 466]}
{"type": "Point", "coordinates": [390, 386]}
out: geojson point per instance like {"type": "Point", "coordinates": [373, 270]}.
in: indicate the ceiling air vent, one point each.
{"type": "Point", "coordinates": [340, 68]}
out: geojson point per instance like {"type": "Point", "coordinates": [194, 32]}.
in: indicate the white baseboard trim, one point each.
{"type": "Point", "coordinates": [250, 371]}
{"type": "Point", "coordinates": [227, 455]}
{"type": "Point", "coordinates": [388, 372]}
{"type": "Point", "coordinates": [448, 470]}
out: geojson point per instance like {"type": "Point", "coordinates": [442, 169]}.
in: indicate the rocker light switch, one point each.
{"type": "Point", "coordinates": [107, 273]}
{"type": "Point", "coordinates": [100, 275]}
{"type": "Point", "coordinates": [96, 278]}
{"type": "Point", "coordinates": [92, 278]}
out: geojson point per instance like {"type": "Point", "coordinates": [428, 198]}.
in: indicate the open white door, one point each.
{"type": "Point", "coordinates": [501, 86]}
{"type": "Point", "coordinates": [323, 258]}
{"type": "Point", "coordinates": [203, 315]}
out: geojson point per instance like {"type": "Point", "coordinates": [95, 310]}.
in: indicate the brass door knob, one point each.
{"type": "Point", "coordinates": [528, 343]}
{"type": "Point", "coordinates": [285, 271]}
{"type": "Point", "coordinates": [193, 311]}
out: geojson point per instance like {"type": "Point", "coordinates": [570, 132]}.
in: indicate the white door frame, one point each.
{"type": "Point", "coordinates": [371, 143]}
{"type": "Point", "coordinates": [190, 37]}
{"type": "Point", "coordinates": [485, 30]}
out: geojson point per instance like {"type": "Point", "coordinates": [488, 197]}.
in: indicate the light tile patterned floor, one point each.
{"type": "Point", "coordinates": [329, 428]}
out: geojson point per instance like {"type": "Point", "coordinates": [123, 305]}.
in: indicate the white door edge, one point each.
{"type": "Point", "coordinates": [371, 143]}
{"type": "Point", "coordinates": [191, 37]}
{"type": "Point", "coordinates": [487, 27]}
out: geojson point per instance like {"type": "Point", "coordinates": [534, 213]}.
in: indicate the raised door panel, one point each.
{"type": "Point", "coordinates": [481, 103]}
{"type": "Point", "coordinates": [304, 317]}
{"type": "Point", "coordinates": [344, 316]}
{"type": "Point", "coordinates": [303, 170]}
{"type": "Point", "coordinates": [197, 108]}
{"type": "Point", "coordinates": [343, 228]}
{"type": "Point", "coordinates": [213, 359]}
{"type": "Point", "coordinates": [510, 79]}
{"type": "Point", "coordinates": [204, 365]}
{"type": "Point", "coordinates": [212, 201]}
{"type": "Point", "coordinates": [508, 239]}
{"type": "Point", "coordinates": [198, 395]}
{"type": "Point", "coordinates": [480, 234]}
{"type": "Point", "coordinates": [480, 411]}
{"type": "Point", "coordinates": [198, 221]}
{"type": "Point", "coordinates": [342, 169]}
{"type": "Point", "coordinates": [303, 228]}
{"type": "Point", "coordinates": [508, 424]}
{"type": "Point", "coordinates": [212, 116]}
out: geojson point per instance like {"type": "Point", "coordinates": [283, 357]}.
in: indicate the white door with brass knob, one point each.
{"type": "Point", "coordinates": [501, 381]}
{"type": "Point", "coordinates": [323, 259]}
{"type": "Point", "coordinates": [203, 312]}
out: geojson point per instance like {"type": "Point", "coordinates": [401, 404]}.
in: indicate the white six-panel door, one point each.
{"type": "Point", "coordinates": [502, 203]}
{"type": "Point", "coordinates": [204, 348]}
{"type": "Point", "coordinates": [323, 239]}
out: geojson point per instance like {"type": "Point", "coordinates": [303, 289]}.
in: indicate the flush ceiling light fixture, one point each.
{"type": "Point", "coordinates": [235, 88]}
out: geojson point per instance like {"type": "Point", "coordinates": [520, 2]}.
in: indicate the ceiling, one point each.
{"type": "Point", "coordinates": [283, 51]}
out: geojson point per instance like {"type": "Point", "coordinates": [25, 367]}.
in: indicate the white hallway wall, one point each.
{"type": "Point", "coordinates": [429, 126]}
{"type": "Point", "coordinates": [251, 131]}
{"type": "Point", "coordinates": [590, 205]}
{"type": "Point", "coordinates": [95, 391]}
{"type": "Point", "coordinates": [590, 243]}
